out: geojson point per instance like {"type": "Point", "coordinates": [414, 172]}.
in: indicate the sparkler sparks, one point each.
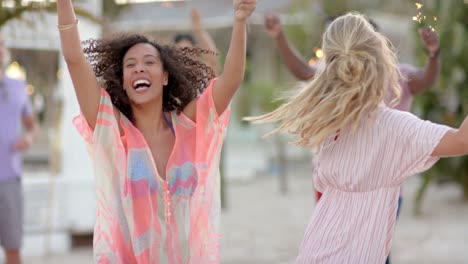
{"type": "Point", "coordinates": [420, 17]}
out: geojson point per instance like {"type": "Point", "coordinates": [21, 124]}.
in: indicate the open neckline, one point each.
{"type": "Point", "coordinates": [153, 162]}
{"type": "Point", "coordinates": [169, 124]}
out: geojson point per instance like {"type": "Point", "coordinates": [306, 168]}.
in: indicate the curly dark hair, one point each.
{"type": "Point", "coordinates": [188, 76]}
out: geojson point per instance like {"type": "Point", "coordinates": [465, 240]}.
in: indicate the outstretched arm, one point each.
{"type": "Point", "coordinates": [205, 41]}
{"type": "Point", "coordinates": [298, 67]}
{"type": "Point", "coordinates": [454, 143]}
{"type": "Point", "coordinates": [83, 78]}
{"type": "Point", "coordinates": [422, 79]}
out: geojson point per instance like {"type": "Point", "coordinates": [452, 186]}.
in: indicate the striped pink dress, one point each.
{"type": "Point", "coordinates": [142, 218]}
{"type": "Point", "coordinates": [360, 175]}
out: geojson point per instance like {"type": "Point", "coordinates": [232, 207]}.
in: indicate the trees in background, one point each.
{"type": "Point", "coordinates": [447, 102]}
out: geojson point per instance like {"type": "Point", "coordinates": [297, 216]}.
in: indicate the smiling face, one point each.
{"type": "Point", "coordinates": [144, 76]}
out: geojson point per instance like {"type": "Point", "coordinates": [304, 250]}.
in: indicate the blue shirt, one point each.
{"type": "Point", "coordinates": [14, 105]}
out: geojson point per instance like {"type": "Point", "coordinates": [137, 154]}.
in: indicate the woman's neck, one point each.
{"type": "Point", "coordinates": [149, 118]}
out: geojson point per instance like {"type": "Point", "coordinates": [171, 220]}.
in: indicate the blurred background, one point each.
{"type": "Point", "coordinates": [268, 194]}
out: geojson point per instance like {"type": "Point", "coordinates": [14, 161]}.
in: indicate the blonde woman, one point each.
{"type": "Point", "coordinates": [364, 150]}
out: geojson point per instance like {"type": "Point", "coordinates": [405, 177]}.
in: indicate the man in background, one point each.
{"type": "Point", "coordinates": [201, 39]}
{"type": "Point", "coordinates": [18, 129]}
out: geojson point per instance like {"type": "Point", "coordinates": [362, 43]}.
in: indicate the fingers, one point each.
{"type": "Point", "coordinates": [248, 8]}
{"type": "Point", "coordinates": [428, 36]}
{"type": "Point", "coordinates": [195, 14]}
{"type": "Point", "coordinates": [427, 32]}
{"type": "Point", "coordinates": [244, 8]}
{"type": "Point", "coordinates": [247, 1]}
{"type": "Point", "coordinates": [246, 5]}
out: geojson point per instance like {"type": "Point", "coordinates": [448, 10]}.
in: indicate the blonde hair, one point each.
{"type": "Point", "coordinates": [359, 67]}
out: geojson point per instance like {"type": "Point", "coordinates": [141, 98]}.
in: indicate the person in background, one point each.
{"type": "Point", "coordinates": [202, 39]}
{"type": "Point", "coordinates": [19, 128]}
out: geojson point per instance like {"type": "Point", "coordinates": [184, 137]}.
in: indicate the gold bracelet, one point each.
{"type": "Point", "coordinates": [68, 27]}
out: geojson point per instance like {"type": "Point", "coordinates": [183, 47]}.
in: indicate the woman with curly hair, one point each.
{"type": "Point", "coordinates": [154, 119]}
{"type": "Point", "coordinates": [363, 149]}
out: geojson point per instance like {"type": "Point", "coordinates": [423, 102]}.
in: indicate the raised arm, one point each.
{"type": "Point", "coordinates": [454, 143]}
{"type": "Point", "coordinates": [205, 41]}
{"type": "Point", "coordinates": [83, 78]}
{"type": "Point", "coordinates": [422, 79]}
{"type": "Point", "coordinates": [234, 67]}
{"type": "Point", "coordinates": [298, 67]}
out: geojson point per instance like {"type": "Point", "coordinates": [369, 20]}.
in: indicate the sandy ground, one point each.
{"type": "Point", "coordinates": [262, 226]}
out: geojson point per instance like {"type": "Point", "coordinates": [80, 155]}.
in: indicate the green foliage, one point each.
{"type": "Point", "coordinates": [452, 26]}
{"type": "Point", "coordinates": [110, 10]}
{"type": "Point", "coordinates": [255, 97]}
{"type": "Point", "coordinates": [301, 37]}
{"type": "Point", "coordinates": [306, 28]}
{"type": "Point", "coordinates": [336, 7]}
{"type": "Point", "coordinates": [18, 10]}
{"type": "Point", "coordinates": [302, 31]}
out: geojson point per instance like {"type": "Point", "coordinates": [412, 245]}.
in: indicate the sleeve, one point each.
{"type": "Point", "coordinates": [106, 123]}
{"type": "Point", "coordinates": [205, 203]}
{"type": "Point", "coordinates": [415, 139]}
{"type": "Point", "coordinates": [207, 116]}
{"type": "Point", "coordinates": [210, 134]}
{"type": "Point", "coordinates": [406, 69]}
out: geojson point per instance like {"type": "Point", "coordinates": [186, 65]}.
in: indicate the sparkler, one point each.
{"type": "Point", "coordinates": [420, 17]}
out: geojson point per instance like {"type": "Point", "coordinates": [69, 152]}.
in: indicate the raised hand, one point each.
{"type": "Point", "coordinates": [196, 19]}
{"type": "Point", "coordinates": [273, 25]}
{"type": "Point", "coordinates": [87, 87]}
{"type": "Point", "coordinates": [244, 8]}
{"type": "Point", "coordinates": [429, 39]}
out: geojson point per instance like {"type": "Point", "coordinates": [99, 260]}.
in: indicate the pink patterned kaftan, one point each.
{"type": "Point", "coordinates": [142, 218]}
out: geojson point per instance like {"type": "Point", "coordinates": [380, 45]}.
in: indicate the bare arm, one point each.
{"type": "Point", "coordinates": [30, 127]}
{"type": "Point", "coordinates": [205, 42]}
{"type": "Point", "coordinates": [234, 67]}
{"type": "Point", "coordinates": [83, 78]}
{"type": "Point", "coordinates": [422, 79]}
{"type": "Point", "coordinates": [230, 80]}
{"type": "Point", "coordinates": [293, 60]}
{"type": "Point", "coordinates": [454, 143]}
{"type": "Point", "coordinates": [298, 67]}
